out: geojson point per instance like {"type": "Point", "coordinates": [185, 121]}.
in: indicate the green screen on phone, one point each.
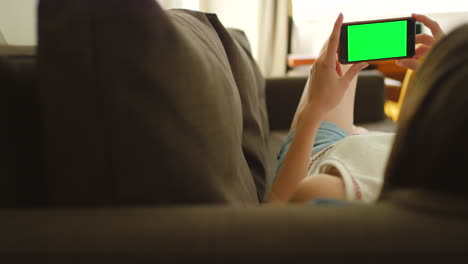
{"type": "Point", "coordinates": [377, 40]}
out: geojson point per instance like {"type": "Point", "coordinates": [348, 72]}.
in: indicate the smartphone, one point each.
{"type": "Point", "coordinates": [377, 40]}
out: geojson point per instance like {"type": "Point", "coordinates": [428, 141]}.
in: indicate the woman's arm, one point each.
{"type": "Point", "coordinates": [319, 186]}
{"type": "Point", "coordinates": [294, 167]}
{"type": "Point", "coordinates": [327, 86]}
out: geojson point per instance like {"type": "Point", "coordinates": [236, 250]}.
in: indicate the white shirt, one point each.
{"type": "Point", "coordinates": [360, 159]}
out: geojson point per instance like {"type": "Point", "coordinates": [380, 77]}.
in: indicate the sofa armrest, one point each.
{"type": "Point", "coordinates": [370, 97]}
{"type": "Point", "coordinates": [283, 95]}
{"type": "Point", "coordinates": [211, 234]}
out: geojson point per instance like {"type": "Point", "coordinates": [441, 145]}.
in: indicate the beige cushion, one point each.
{"type": "Point", "coordinates": [251, 85]}
{"type": "Point", "coordinates": [140, 107]}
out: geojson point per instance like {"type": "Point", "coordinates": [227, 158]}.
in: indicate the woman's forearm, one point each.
{"type": "Point", "coordinates": [295, 165]}
{"type": "Point", "coordinates": [327, 85]}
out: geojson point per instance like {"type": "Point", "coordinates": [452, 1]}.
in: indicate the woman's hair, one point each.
{"type": "Point", "coordinates": [431, 144]}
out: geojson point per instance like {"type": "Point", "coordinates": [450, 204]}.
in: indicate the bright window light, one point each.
{"type": "Point", "coordinates": [306, 10]}
{"type": "Point", "coordinates": [185, 4]}
{"type": "Point", "coordinates": [191, 4]}
{"type": "Point", "coordinates": [314, 19]}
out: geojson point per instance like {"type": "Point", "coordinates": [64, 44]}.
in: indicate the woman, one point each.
{"type": "Point", "coordinates": [341, 166]}
{"type": "Point", "coordinates": [430, 145]}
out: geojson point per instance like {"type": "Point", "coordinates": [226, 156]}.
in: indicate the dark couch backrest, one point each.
{"type": "Point", "coordinates": [134, 105]}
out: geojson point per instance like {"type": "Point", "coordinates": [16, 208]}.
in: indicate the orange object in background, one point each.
{"type": "Point", "coordinates": [295, 60]}
{"type": "Point", "coordinates": [391, 108]}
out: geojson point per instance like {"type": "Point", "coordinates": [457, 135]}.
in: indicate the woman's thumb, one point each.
{"type": "Point", "coordinates": [353, 71]}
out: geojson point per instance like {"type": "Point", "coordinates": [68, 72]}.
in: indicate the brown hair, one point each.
{"type": "Point", "coordinates": [431, 144]}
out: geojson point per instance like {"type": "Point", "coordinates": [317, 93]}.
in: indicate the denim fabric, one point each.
{"type": "Point", "coordinates": [327, 134]}
{"type": "Point", "coordinates": [324, 201]}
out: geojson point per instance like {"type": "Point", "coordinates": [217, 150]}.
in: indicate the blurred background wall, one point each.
{"type": "Point", "coordinates": [275, 28]}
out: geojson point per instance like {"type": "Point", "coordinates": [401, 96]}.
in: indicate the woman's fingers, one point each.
{"type": "Point", "coordinates": [412, 64]}
{"type": "Point", "coordinates": [353, 71]}
{"type": "Point", "coordinates": [424, 42]}
{"type": "Point", "coordinates": [431, 24]}
{"type": "Point", "coordinates": [421, 50]}
{"type": "Point", "coordinates": [425, 39]}
{"type": "Point", "coordinates": [339, 69]}
{"type": "Point", "coordinates": [334, 41]}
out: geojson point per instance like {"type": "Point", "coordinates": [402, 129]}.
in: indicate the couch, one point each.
{"type": "Point", "coordinates": [138, 135]}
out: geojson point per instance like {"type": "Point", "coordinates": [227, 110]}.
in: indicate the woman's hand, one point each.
{"type": "Point", "coordinates": [328, 80]}
{"type": "Point", "coordinates": [424, 42]}
{"type": "Point", "coordinates": [327, 85]}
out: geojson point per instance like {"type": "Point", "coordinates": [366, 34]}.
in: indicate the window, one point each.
{"type": "Point", "coordinates": [186, 4]}
{"type": "Point", "coordinates": [18, 21]}
{"type": "Point", "coordinates": [306, 10]}
{"type": "Point", "coordinates": [313, 20]}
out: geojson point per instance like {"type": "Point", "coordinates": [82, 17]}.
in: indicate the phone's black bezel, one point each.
{"type": "Point", "coordinates": [343, 46]}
